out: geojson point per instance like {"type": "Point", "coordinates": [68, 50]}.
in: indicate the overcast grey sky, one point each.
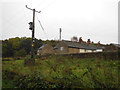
{"type": "Point", "coordinates": [94, 19]}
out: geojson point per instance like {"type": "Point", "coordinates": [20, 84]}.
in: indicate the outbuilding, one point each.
{"type": "Point", "coordinates": [45, 49]}
{"type": "Point", "coordinates": [69, 47]}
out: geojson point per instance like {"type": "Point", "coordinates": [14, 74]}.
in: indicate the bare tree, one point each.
{"type": "Point", "coordinates": [74, 39]}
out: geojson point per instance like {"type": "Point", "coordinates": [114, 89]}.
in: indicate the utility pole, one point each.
{"type": "Point", "coordinates": [32, 27]}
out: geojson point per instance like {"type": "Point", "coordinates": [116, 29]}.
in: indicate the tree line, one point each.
{"type": "Point", "coordinates": [19, 47]}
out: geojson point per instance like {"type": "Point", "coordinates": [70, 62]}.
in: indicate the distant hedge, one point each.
{"type": "Point", "coordinates": [97, 55]}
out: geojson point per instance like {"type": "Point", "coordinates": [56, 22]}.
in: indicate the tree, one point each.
{"type": "Point", "coordinates": [20, 53]}
{"type": "Point", "coordinates": [15, 43]}
{"type": "Point", "coordinates": [74, 39]}
{"type": "Point", "coordinates": [0, 48]}
{"type": "Point", "coordinates": [15, 46]}
{"type": "Point", "coordinates": [7, 50]}
{"type": "Point", "coordinates": [38, 43]}
{"type": "Point", "coordinates": [26, 44]}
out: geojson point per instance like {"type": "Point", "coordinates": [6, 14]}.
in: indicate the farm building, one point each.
{"type": "Point", "coordinates": [68, 47]}
{"type": "Point", "coordinates": [45, 49]}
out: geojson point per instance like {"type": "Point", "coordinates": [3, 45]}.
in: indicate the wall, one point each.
{"type": "Point", "coordinates": [88, 51]}
{"type": "Point", "coordinates": [73, 50]}
{"type": "Point", "coordinates": [61, 48]}
{"type": "Point", "coordinates": [48, 49]}
{"type": "Point", "coordinates": [99, 50]}
{"type": "Point", "coordinates": [81, 50]}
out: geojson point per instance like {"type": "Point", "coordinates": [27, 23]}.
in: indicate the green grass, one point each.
{"type": "Point", "coordinates": [60, 71]}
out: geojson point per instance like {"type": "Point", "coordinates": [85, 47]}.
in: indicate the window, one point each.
{"type": "Point", "coordinates": [82, 50]}
{"type": "Point", "coordinates": [61, 48]}
{"type": "Point", "coordinates": [99, 50]}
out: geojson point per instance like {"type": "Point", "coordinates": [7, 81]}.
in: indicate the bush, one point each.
{"type": "Point", "coordinates": [20, 53]}
{"type": "Point", "coordinates": [29, 61]}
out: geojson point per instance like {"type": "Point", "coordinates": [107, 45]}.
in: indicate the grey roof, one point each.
{"type": "Point", "coordinates": [42, 46]}
{"type": "Point", "coordinates": [55, 47]}
{"type": "Point", "coordinates": [81, 45]}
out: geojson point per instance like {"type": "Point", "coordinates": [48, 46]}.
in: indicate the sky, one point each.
{"type": "Point", "coordinates": [96, 20]}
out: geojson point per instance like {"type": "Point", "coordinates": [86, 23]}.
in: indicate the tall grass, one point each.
{"type": "Point", "coordinates": [60, 71]}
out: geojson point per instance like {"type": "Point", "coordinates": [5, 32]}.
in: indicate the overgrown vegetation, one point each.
{"type": "Point", "coordinates": [61, 71]}
{"type": "Point", "coordinates": [20, 47]}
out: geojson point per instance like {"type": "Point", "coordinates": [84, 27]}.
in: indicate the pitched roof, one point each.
{"type": "Point", "coordinates": [81, 45]}
{"type": "Point", "coordinates": [42, 46]}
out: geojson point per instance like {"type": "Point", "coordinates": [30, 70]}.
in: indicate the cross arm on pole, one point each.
{"type": "Point", "coordinates": [32, 9]}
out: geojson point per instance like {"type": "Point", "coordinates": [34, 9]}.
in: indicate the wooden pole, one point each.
{"type": "Point", "coordinates": [33, 37]}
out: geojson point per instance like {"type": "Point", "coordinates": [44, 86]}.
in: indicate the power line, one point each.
{"type": "Point", "coordinates": [42, 26]}
{"type": "Point", "coordinates": [49, 4]}
{"type": "Point", "coordinates": [46, 6]}
{"type": "Point", "coordinates": [40, 3]}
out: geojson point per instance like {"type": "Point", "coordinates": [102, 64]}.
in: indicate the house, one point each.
{"type": "Point", "coordinates": [45, 49]}
{"type": "Point", "coordinates": [69, 47]}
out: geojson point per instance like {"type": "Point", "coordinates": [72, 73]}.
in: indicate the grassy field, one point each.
{"type": "Point", "coordinates": [61, 71]}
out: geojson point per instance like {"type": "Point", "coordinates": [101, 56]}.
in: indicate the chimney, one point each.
{"type": "Point", "coordinates": [99, 43]}
{"type": "Point", "coordinates": [74, 39]}
{"type": "Point", "coordinates": [60, 33]}
{"type": "Point", "coordinates": [88, 41]}
{"type": "Point", "coordinates": [80, 40]}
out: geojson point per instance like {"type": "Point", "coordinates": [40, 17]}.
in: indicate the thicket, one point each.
{"type": "Point", "coordinates": [18, 47]}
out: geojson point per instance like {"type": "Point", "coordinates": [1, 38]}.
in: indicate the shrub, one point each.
{"type": "Point", "coordinates": [21, 53]}
{"type": "Point", "coordinates": [28, 61]}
